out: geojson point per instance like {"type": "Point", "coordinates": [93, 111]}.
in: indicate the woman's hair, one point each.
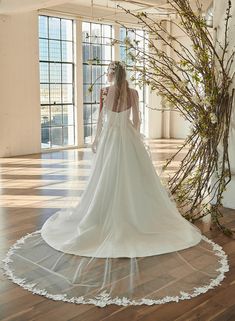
{"type": "Point", "coordinates": [117, 69]}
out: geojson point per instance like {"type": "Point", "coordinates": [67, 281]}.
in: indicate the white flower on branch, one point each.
{"type": "Point", "coordinates": [132, 78]}
{"type": "Point", "coordinates": [132, 56]}
{"type": "Point", "coordinates": [204, 140]}
{"type": "Point", "coordinates": [196, 99]}
{"type": "Point", "coordinates": [213, 118]}
{"type": "Point", "coordinates": [135, 68]}
{"type": "Point", "coordinates": [182, 83]}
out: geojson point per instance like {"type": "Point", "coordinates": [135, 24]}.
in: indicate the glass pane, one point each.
{"type": "Point", "coordinates": [43, 26]}
{"type": "Point", "coordinates": [44, 72]}
{"type": "Point", "coordinates": [66, 29]}
{"type": "Point", "coordinates": [45, 116]}
{"type": "Point", "coordinates": [55, 50]}
{"type": "Point", "coordinates": [128, 74]}
{"type": "Point", "coordinates": [45, 137]}
{"type": "Point", "coordinates": [56, 136]}
{"type": "Point", "coordinates": [87, 114]}
{"type": "Point", "coordinates": [128, 59]}
{"type": "Point", "coordinates": [44, 93]}
{"type": "Point", "coordinates": [96, 52]}
{"type": "Point", "coordinates": [122, 33]}
{"type": "Point", "coordinates": [95, 112]}
{"type": "Point", "coordinates": [67, 73]}
{"type": "Point", "coordinates": [140, 37]}
{"type": "Point", "coordinates": [94, 126]}
{"type": "Point", "coordinates": [68, 135]}
{"type": "Point", "coordinates": [67, 51]}
{"type": "Point", "coordinates": [95, 33]}
{"type": "Point", "coordinates": [43, 49]}
{"type": "Point", "coordinates": [86, 94]}
{"type": "Point", "coordinates": [106, 53]}
{"type": "Point", "coordinates": [106, 34]}
{"type": "Point", "coordinates": [123, 53]}
{"type": "Point", "coordinates": [56, 115]}
{"type": "Point", "coordinates": [85, 52]}
{"type": "Point", "coordinates": [96, 93]}
{"type": "Point", "coordinates": [67, 93]}
{"type": "Point", "coordinates": [131, 34]}
{"type": "Point", "coordinates": [104, 77]}
{"type": "Point", "coordinates": [68, 115]}
{"type": "Point", "coordinates": [55, 73]}
{"type": "Point", "coordinates": [87, 133]}
{"type": "Point", "coordinates": [86, 32]}
{"type": "Point", "coordinates": [87, 74]}
{"type": "Point", "coordinates": [54, 28]}
{"type": "Point", "coordinates": [55, 94]}
{"type": "Point", "coordinates": [96, 72]}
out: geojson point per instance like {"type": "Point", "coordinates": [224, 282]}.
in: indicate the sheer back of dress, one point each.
{"type": "Point", "coordinates": [118, 99]}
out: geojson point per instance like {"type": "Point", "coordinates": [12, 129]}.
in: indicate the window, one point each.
{"type": "Point", "coordinates": [139, 37]}
{"type": "Point", "coordinates": [56, 54]}
{"type": "Point", "coordinates": [97, 49]}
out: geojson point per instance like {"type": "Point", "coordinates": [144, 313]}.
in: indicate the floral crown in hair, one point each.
{"type": "Point", "coordinates": [113, 66]}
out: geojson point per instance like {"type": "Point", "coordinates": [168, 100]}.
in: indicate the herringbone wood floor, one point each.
{"type": "Point", "coordinates": [33, 188]}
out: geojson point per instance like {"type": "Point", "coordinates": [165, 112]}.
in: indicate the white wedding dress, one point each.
{"type": "Point", "coordinates": [125, 242]}
{"type": "Point", "coordinates": [125, 211]}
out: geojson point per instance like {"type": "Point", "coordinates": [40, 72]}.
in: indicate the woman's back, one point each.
{"type": "Point", "coordinates": [125, 100]}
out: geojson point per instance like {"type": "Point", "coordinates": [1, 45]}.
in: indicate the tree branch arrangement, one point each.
{"type": "Point", "coordinates": [195, 80]}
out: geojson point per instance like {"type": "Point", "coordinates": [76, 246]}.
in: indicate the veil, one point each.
{"type": "Point", "coordinates": [118, 98]}
{"type": "Point", "coordinates": [82, 255]}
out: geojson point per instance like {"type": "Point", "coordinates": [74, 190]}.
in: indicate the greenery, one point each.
{"type": "Point", "coordinates": [196, 81]}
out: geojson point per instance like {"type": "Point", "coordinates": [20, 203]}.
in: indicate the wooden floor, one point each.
{"type": "Point", "coordinates": [34, 187]}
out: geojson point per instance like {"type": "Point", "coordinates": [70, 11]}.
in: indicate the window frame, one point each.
{"type": "Point", "coordinates": [61, 104]}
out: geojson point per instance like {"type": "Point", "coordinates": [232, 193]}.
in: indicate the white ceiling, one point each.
{"type": "Point", "coordinates": [97, 9]}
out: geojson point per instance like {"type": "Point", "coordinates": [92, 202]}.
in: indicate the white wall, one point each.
{"type": "Point", "coordinates": [19, 85]}
{"type": "Point", "coordinates": [219, 16]}
{"type": "Point", "coordinates": [154, 128]}
{"type": "Point", "coordinates": [179, 127]}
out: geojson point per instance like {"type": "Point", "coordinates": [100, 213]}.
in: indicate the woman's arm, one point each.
{"type": "Point", "coordinates": [99, 121]}
{"type": "Point", "coordinates": [135, 110]}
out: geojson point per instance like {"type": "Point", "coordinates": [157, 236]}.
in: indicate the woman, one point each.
{"type": "Point", "coordinates": [123, 243]}
{"type": "Point", "coordinates": [124, 211]}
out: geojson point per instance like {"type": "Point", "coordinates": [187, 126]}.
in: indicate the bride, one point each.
{"type": "Point", "coordinates": [125, 211]}
{"type": "Point", "coordinates": [125, 242]}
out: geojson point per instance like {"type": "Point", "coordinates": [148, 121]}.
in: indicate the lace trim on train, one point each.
{"type": "Point", "coordinates": [104, 298]}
